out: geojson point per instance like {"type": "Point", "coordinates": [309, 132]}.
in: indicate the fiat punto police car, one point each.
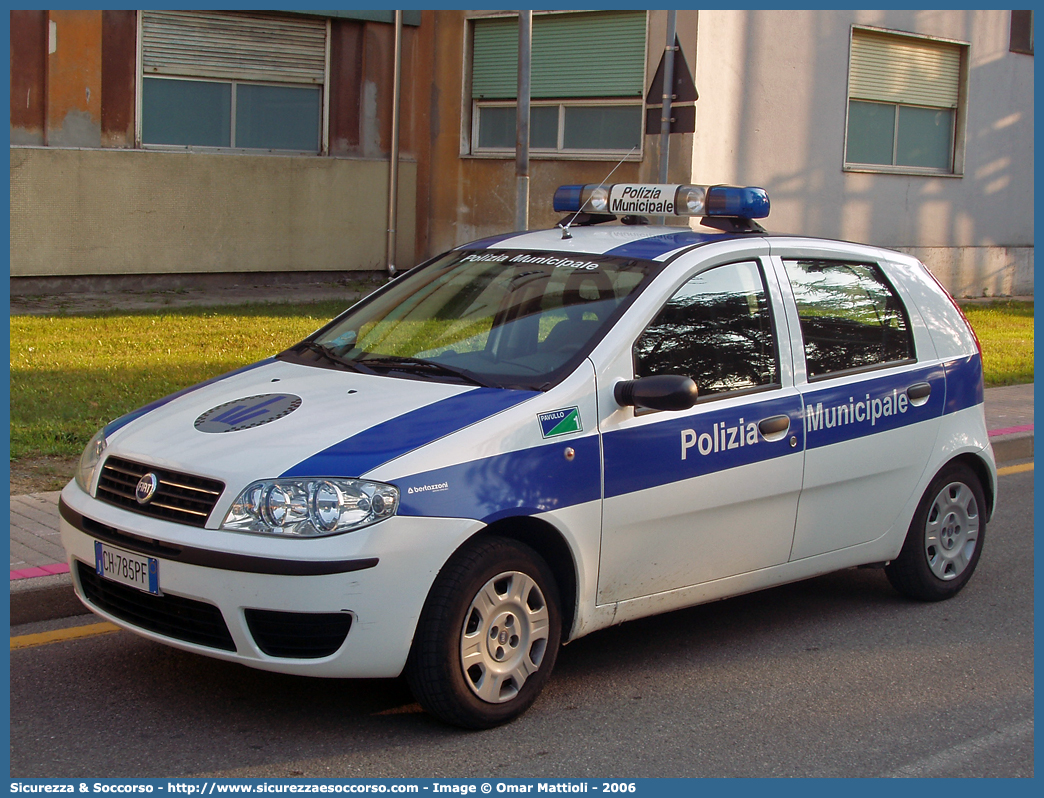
{"type": "Point", "coordinates": [542, 434]}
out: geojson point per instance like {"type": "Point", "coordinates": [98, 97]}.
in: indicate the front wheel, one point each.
{"type": "Point", "coordinates": [488, 636]}
{"type": "Point", "coordinates": [945, 537]}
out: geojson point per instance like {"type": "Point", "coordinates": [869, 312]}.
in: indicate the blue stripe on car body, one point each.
{"type": "Point", "coordinates": [365, 451]}
{"type": "Point", "coordinates": [540, 479]}
{"type": "Point", "coordinates": [654, 246]}
{"type": "Point", "coordinates": [964, 383]}
{"type": "Point", "coordinates": [525, 482]}
{"type": "Point", "coordinates": [845, 412]}
{"type": "Point", "coordinates": [675, 449]}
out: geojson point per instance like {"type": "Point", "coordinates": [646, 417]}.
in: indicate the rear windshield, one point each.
{"type": "Point", "coordinates": [497, 318]}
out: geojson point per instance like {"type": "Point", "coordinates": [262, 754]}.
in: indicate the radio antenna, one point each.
{"type": "Point", "coordinates": [565, 228]}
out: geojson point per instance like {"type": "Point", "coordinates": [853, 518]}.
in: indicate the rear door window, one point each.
{"type": "Point", "coordinates": [851, 317]}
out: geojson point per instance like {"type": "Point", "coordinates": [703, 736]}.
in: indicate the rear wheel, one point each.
{"type": "Point", "coordinates": [945, 537]}
{"type": "Point", "coordinates": [488, 636]}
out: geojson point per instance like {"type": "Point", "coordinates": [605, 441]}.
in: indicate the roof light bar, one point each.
{"type": "Point", "coordinates": [664, 200]}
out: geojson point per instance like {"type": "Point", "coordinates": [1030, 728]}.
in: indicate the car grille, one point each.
{"type": "Point", "coordinates": [183, 498]}
{"type": "Point", "coordinates": [298, 635]}
{"type": "Point", "coordinates": [171, 616]}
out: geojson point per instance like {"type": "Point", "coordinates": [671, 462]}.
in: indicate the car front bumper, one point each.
{"type": "Point", "coordinates": [235, 596]}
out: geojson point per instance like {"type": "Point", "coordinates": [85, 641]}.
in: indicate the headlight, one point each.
{"type": "Point", "coordinates": [310, 507]}
{"type": "Point", "coordinates": [89, 460]}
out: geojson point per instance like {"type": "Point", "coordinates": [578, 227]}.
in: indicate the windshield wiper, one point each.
{"type": "Point", "coordinates": [416, 365]}
{"type": "Point", "coordinates": [333, 357]}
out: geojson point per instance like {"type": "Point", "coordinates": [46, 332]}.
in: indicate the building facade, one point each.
{"type": "Point", "coordinates": [905, 129]}
{"type": "Point", "coordinates": [214, 142]}
{"type": "Point", "coordinates": [153, 143]}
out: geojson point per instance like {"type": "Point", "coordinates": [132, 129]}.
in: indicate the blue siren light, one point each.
{"type": "Point", "coordinates": [747, 202]}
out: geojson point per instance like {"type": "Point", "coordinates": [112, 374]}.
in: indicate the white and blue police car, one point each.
{"type": "Point", "coordinates": [542, 434]}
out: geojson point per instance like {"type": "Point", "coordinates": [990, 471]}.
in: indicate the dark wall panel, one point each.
{"type": "Point", "coordinates": [119, 35]}
{"type": "Point", "coordinates": [345, 86]}
{"type": "Point", "coordinates": [28, 76]}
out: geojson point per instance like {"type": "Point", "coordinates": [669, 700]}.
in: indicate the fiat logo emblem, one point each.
{"type": "Point", "coordinates": [146, 488]}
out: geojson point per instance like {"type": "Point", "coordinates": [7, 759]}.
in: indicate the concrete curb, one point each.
{"type": "Point", "coordinates": [44, 598]}
{"type": "Point", "coordinates": [50, 598]}
{"type": "Point", "coordinates": [1008, 448]}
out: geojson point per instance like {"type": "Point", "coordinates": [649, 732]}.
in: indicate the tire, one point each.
{"type": "Point", "coordinates": [488, 635]}
{"type": "Point", "coordinates": [945, 538]}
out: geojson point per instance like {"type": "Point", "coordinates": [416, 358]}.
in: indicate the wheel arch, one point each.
{"type": "Point", "coordinates": [551, 545]}
{"type": "Point", "coordinates": [982, 471]}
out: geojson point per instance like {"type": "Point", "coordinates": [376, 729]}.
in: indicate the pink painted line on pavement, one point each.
{"type": "Point", "coordinates": [1011, 430]}
{"type": "Point", "coordinates": [41, 570]}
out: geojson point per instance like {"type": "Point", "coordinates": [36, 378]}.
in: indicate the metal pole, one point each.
{"type": "Point", "coordinates": [525, 39]}
{"type": "Point", "coordinates": [393, 160]}
{"type": "Point", "coordinates": [668, 94]}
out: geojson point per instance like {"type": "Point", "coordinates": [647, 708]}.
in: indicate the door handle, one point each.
{"type": "Point", "coordinates": [919, 393]}
{"type": "Point", "coordinates": [774, 428]}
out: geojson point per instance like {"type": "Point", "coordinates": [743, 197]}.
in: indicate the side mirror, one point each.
{"type": "Point", "coordinates": [660, 392]}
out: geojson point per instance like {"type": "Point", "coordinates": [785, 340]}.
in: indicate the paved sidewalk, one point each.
{"type": "Point", "coordinates": [41, 588]}
{"type": "Point", "coordinates": [1009, 418]}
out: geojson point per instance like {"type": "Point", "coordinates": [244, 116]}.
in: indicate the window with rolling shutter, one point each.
{"type": "Point", "coordinates": [236, 80]}
{"type": "Point", "coordinates": [587, 81]}
{"type": "Point", "coordinates": [904, 96]}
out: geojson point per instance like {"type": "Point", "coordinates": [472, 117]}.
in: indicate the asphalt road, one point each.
{"type": "Point", "coordinates": [836, 676]}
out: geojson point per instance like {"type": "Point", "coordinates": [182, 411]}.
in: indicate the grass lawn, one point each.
{"type": "Point", "coordinates": [1005, 330]}
{"type": "Point", "coordinates": [72, 374]}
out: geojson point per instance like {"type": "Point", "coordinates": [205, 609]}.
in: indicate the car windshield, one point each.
{"type": "Point", "coordinates": [499, 318]}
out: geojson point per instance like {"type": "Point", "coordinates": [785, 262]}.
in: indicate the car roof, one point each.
{"type": "Point", "coordinates": [654, 242]}
{"type": "Point", "coordinates": [647, 242]}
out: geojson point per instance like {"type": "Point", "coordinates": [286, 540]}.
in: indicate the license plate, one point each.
{"type": "Point", "coordinates": [127, 568]}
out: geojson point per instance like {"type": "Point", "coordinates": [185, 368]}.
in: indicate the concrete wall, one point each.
{"type": "Point", "coordinates": [773, 92]}
{"type": "Point", "coordinates": [979, 271]}
{"type": "Point", "coordinates": [91, 212]}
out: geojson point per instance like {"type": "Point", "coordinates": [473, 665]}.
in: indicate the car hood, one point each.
{"type": "Point", "coordinates": [283, 419]}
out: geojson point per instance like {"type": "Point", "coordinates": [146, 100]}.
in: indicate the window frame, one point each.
{"type": "Point", "coordinates": [469, 133]}
{"type": "Point", "coordinates": [324, 102]}
{"type": "Point", "coordinates": [895, 139]}
{"type": "Point", "coordinates": [960, 112]}
{"type": "Point", "coordinates": [560, 151]}
{"type": "Point", "coordinates": [763, 269]}
{"type": "Point", "coordinates": [233, 147]}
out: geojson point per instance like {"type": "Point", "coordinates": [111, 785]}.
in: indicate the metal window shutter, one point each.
{"type": "Point", "coordinates": [217, 44]}
{"type": "Point", "coordinates": [897, 69]}
{"type": "Point", "coordinates": [599, 54]}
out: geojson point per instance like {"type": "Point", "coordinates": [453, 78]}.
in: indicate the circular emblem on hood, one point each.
{"type": "Point", "coordinates": [146, 488]}
{"type": "Point", "coordinates": [253, 411]}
